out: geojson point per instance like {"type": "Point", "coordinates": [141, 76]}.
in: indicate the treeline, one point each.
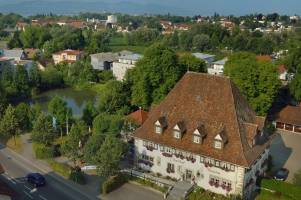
{"type": "Point", "coordinates": [55, 38]}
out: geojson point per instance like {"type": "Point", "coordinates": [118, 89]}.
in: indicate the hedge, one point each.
{"type": "Point", "coordinates": [113, 182]}
{"type": "Point", "coordinates": [42, 151]}
{"type": "Point", "coordinates": [60, 168]}
{"type": "Point", "coordinates": [77, 176]}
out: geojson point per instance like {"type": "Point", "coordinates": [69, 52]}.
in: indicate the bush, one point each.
{"type": "Point", "coordinates": [60, 168]}
{"type": "Point", "coordinates": [113, 182]}
{"type": "Point", "coordinates": [43, 152]}
{"type": "Point", "coordinates": [77, 176]}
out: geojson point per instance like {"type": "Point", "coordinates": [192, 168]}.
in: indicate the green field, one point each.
{"type": "Point", "coordinates": [119, 44]}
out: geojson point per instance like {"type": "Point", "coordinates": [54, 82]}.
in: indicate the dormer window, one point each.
{"type": "Point", "coordinates": [178, 130]}
{"type": "Point", "coordinates": [160, 124]}
{"type": "Point", "coordinates": [220, 140]}
{"type": "Point", "coordinates": [199, 134]}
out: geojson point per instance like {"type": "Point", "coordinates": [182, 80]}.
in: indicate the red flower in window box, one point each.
{"type": "Point", "coordinates": [150, 148]}
{"type": "Point", "coordinates": [182, 157]}
{"type": "Point", "coordinates": [193, 160]}
{"type": "Point", "coordinates": [166, 154]}
{"type": "Point", "coordinates": [216, 184]}
{"type": "Point", "coordinates": [211, 182]}
{"type": "Point", "coordinates": [228, 188]}
{"type": "Point", "coordinates": [223, 186]}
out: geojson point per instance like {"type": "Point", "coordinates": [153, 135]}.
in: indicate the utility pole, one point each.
{"type": "Point", "coordinates": [67, 122]}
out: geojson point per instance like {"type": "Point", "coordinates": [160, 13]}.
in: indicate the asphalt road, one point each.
{"type": "Point", "coordinates": [16, 170]}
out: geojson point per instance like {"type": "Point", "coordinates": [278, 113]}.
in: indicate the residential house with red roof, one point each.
{"type": "Point", "coordinates": [69, 56]}
{"type": "Point", "coordinates": [205, 132]}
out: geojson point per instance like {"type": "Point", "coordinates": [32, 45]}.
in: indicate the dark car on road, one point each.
{"type": "Point", "coordinates": [281, 174]}
{"type": "Point", "coordinates": [36, 179]}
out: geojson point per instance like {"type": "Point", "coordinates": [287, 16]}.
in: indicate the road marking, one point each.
{"type": "Point", "coordinates": [9, 178]}
{"type": "Point", "coordinates": [42, 197]}
{"type": "Point", "coordinates": [28, 188]}
{"type": "Point", "coordinates": [33, 190]}
{"type": "Point", "coordinates": [28, 195]}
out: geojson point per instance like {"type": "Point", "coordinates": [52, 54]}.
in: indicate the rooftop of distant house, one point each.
{"type": "Point", "coordinates": [68, 52]}
{"type": "Point", "coordinates": [214, 106]}
{"type": "Point", "coordinates": [263, 58]}
{"type": "Point", "coordinates": [203, 55]}
{"type": "Point", "coordinates": [139, 116]}
{"type": "Point", "coordinates": [133, 57]}
{"type": "Point", "coordinates": [289, 115]}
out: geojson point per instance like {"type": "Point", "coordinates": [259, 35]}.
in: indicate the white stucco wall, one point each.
{"type": "Point", "coordinates": [119, 69]}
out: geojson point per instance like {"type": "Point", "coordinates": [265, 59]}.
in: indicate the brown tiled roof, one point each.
{"type": "Point", "coordinates": [139, 116]}
{"type": "Point", "coordinates": [69, 52]}
{"type": "Point", "coordinates": [264, 58]}
{"type": "Point", "coordinates": [215, 102]}
{"type": "Point", "coordinates": [290, 115]}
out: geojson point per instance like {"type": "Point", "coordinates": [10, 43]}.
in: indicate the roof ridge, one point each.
{"type": "Point", "coordinates": [237, 122]}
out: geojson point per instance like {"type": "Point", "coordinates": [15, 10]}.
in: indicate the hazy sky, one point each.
{"type": "Point", "coordinates": [181, 7]}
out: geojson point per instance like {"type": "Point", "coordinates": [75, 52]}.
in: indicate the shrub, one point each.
{"type": "Point", "coordinates": [113, 182]}
{"type": "Point", "coordinates": [77, 176]}
{"type": "Point", "coordinates": [60, 168]}
{"type": "Point", "coordinates": [43, 152]}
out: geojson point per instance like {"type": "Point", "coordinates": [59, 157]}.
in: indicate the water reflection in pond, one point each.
{"type": "Point", "coordinates": [75, 99]}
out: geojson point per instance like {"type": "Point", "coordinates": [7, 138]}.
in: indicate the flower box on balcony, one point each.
{"type": "Point", "coordinates": [216, 185]}
{"type": "Point", "coordinates": [193, 160]}
{"type": "Point", "coordinates": [228, 189]}
{"type": "Point", "coordinates": [223, 186]}
{"type": "Point", "coordinates": [211, 183]}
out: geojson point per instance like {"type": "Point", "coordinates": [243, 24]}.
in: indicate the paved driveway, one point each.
{"type": "Point", "coordinates": [286, 152]}
{"type": "Point", "coordinates": [133, 192]}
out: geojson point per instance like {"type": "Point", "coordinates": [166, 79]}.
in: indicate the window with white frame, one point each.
{"type": "Point", "coordinates": [201, 159]}
{"type": "Point", "coordinates": [176, 134]}
{"type": "Point", "coordinates": [158, 129]}
{"type": "Point", "coordinates": [218, 144]}
{"type": "Point", "coordinates": [196, 139]}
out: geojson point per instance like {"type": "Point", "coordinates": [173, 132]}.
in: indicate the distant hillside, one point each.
{"type": "Point", "coordinates": [31, 7]}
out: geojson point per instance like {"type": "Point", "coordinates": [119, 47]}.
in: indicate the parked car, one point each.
{"type": "Point", "coordinates": [36, 179]}
{"type": "Point", "coordinates": [281, 174]}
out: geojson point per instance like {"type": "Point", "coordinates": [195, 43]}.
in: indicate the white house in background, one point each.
{"type": "Point", "coordinates": [217, 67]}
{"type": "Point", "coordinates": [104, 61]}
{"type": "Point", "coordinates": [68, 55]}
{"type": "Point", "coordinates": [205, 132]}
{"type": "Point", "coordinates": [206, 57]}
{"type": "Point", "coordinates": [123, 64]}
{"type": "Point", "coordinates": [16, 54]}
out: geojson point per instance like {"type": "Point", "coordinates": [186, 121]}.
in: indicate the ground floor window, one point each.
{"type": "Point", "coordinates": [170, 168]}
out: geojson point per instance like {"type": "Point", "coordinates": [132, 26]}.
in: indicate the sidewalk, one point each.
{"type": "Point", "coordinates": [93, 181]}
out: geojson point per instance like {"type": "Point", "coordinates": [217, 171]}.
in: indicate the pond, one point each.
{"type": "Point", "coordinates": [75, 99]}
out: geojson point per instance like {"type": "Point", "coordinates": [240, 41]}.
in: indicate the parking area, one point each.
{"type": "Point", "coordinates": [133, 192]}
{"type": "Point", "coordinates": [286, 152]}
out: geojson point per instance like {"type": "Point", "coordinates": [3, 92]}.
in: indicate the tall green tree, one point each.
{"type": "Point", "coordinates": [113, 98]}
{"type": "Point", "coordinates": [76, 139]}
{"type": "Point", "coordinates": [43, 131]}
{"type": "Point", "coordinates": [23, 113]}
{"type": "Point", "coordinates": [59, 110]}
{"type": "Point", "coordinates": [189, 62]}
{"type": "Point", "coordinates": [107, 124]}
{"type": "Point", "coordinates": [9, 124]}
{"type": "Point", "coordinates": [93, 145]}
{"type": "Point", "coordinates": [89, 113]}
{"type": "Point", "coordinates": [154, 75]}
{"type": "Point", "coordinates": [21, 81]}
{"type": "Point", "coordinates": [258, 81]}
{"type": "Point", "coordinates": [108, 157]}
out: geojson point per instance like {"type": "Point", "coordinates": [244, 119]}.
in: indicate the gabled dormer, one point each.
{"type": "Point", "coordinates": [220, 140]}
{"type": "Point", "coordinates": [199, 134]}
{"type": "Point", "coordinates": [178, 130]}
{"type": "Point", "coordinates": [160, 125]}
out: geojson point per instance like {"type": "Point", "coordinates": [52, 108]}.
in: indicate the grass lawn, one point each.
{"type": "Point", "coordinates": [283, 190]}
{"type": "Point", "coordinates": [11, 143]}
{"type": "Point", "coordinates": [119, 44]}
{"type": "Point", "coordinates": [60, 168]}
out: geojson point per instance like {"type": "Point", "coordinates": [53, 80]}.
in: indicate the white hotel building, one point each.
{"type": "Point", "coordinates": [204, 132]}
